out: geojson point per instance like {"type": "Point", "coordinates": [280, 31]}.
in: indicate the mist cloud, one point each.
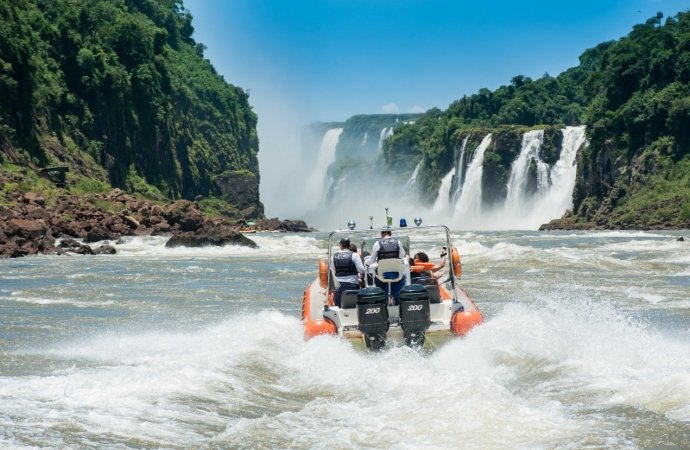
{"type": "Point", "coordinates": [416, 109]}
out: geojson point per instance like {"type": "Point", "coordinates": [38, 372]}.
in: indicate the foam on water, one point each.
{"type": "Point", "coordinates": [269, 243]}
{"type": "Point", "coordinates": [520, 380]}
{"type": "Point", "coordinates": [644, 293]}
{"type": "Point", "coordinates": [586, 343]}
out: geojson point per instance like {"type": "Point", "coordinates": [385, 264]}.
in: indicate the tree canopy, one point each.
{"type": "Point", "coordinates": [121, 82]}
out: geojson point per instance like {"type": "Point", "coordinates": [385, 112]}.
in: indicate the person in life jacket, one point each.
{"type": "Point", "coordinates": [386, 248]}
{"type": "Point", "coordinates": [436, 271]}
{"type": "Point", "coordinates": [346, 267]}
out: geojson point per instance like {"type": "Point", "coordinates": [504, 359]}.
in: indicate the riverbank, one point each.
{"type": "Point", "coordinates": [31, 222]}
{"type": "Point", "coordinates": [569, 221]}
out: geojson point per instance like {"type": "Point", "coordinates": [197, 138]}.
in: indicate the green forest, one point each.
{"type": "Point", "coordinates": [634, 97]}
{"type": "Point", "coordinates": [119, 91]}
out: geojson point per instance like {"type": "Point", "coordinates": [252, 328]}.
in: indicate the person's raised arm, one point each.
{"type": "Point", "coordinates": [441, 265]}
{"type": "Point", "coordinates": [358, 263]}
{"type": "Point", "coordinates": [374, 253]}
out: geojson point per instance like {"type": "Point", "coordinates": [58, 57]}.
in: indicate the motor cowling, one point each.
{"type": "Point", "coordinates": [372, 313]}
{"type": "Point", "coordinates": [415, 314]}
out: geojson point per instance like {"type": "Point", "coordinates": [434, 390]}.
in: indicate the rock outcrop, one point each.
{"type": "Point", "coordinates": [211, 234]}
{"type": "Point", "coordinates": [241, 189]}
{"type": "Point", "coordinates": [31, 223]}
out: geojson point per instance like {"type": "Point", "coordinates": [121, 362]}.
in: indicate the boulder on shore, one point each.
{"type": "Point", "coordinates": [30, 222]}
{"type": "Point", "coordinates": [99, 233]}
{"type": "Point", "coordinates": [217, 235]}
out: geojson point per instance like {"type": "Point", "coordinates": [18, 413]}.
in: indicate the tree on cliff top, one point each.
{"type": "Point", "coordinates": [120, 84]}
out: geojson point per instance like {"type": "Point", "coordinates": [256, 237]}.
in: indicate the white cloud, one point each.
{"type": "Point", "coordinates": [416, 109]}
{"type": "Point", "coordinates": [390, 108]}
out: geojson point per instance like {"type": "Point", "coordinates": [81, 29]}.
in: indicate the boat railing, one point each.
{"type": "Point", "coordinates": [371, 269]}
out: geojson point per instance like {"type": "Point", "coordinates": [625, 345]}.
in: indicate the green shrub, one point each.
{"type": "Point", "coordinates": [106, 205]}
{"type": "Point", "coordinates": [91, 186]}
{"type": "Point", "coordinates": [685, 212]}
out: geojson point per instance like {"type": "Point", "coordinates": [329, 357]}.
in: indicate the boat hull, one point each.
{"type": "Point", "coordinates": [455, 315]}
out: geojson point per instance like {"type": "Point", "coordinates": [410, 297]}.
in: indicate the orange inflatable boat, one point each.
{"type": "Point", "coordinates": [395, 300]}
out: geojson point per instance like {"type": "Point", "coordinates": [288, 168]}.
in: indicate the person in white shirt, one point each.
{"type": "Point", "coordinates": [346, 266]}
{"type": "Point", "coordinates": [386, 248]}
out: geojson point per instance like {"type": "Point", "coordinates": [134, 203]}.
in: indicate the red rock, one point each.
{"type": "Point", "coordinates": [35, 213]}
{"type": "Point", "coordinates": [33, 197]}
{"type": "Point", "coordinates": [6, 213]}
{"type": "Point", "coordinates": [9, 249]}
{"type": "Point", "coordinates": [29, 229]}
{"type": "Point", "coordinates": [131, 221]}
{"type": "Point", "coordinates": [100, 233]}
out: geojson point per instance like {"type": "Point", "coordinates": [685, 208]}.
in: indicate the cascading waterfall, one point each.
{"type": "Point", "coordinates": [524, 207]}
{"type": "Point", "coordinates": [517, 183]}
{"type": "Point", "coordinates": [319, 181]}
{"type": "Point", "coordinates": [441, 205]}
{"type": "Point", "coordinates": [470, 201]}
{"type": "Point", "coordinates": [364, 141]}
{"type": "Point", "coordinates": [559, 197]}
{"type": "Point", "coordinates": [385, 133]}
{"type": "Point", "coordinates": [410, 185]}
{"type": "Point", "coordinates": [456, 186]}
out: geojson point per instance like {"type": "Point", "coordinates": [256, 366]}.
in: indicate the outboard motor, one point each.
{"type": "Point", "coordinates": [372, 313]}
{"type": "Point", "coordinates": [415, 314]}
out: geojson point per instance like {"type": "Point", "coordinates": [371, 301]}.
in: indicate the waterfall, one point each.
{"type": "Point", "coordinates": [319, 180]}
{"type": "Point", "coordinates": [517, 183]}
{"type": "Point", "coordinates": [524, 208]}
{"type": "Point", "coordinates": [456, 185]}
{"type": "Point", "coordinates": [409, 186]}
{"type": "Point", "coordinates": [470, 200]}
{"type": "Point", "coordinates": [385, 133]}
{"type": "Point", "coordinates": [559, 196]}
{"type": "Point", "coordinates": [364, 141]}
{"type": "Point", "coordinates": [441, 205]}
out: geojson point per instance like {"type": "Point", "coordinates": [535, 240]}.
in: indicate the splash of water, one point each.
{"type": "Point", "coordinates": [320, 180]}
{"type": "Point", "coordinates": [456, 187]}
{"type": "Point", "coordinates": [385, 133]}
{"type": "Point", "coordinates": [441, 206]}
{"type": "Point", "coordinates": [564, 171]}
{"type": "Point", "coordinates": [470, 200]}
{"type": "Point", "coordinates": [412, 182]}
{"type": "Point", "coordinates": [517, 183]}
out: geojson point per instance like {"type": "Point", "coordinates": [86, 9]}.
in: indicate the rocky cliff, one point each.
{"type": "Point", "coordinates": [120, 93]}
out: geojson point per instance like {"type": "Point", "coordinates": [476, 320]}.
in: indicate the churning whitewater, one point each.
{"type": "Point", "coordinates": [536, 192]}
{"type": "Point", "coordinates": [585, 343]}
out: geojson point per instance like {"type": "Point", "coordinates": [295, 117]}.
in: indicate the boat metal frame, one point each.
{"type": "Point", "coordinates": [363, 231]}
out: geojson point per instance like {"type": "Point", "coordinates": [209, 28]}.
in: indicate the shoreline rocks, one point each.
{"type": "Point", "coordinates": [33, 223]}
{"type": "Point", "coordinates": [210, 235]}
{"type": "Point", "coordinates": [570, 222]}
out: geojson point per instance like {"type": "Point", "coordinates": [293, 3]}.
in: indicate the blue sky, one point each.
{"type": "Point", "coordinates": [330, 59]}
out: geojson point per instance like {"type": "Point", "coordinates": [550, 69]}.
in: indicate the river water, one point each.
{"type": "Point", "coordinates": [586, 343]}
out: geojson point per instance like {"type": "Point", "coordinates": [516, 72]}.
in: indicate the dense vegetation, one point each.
{"type": "Point", "coordinates": [119, 91]}
{"type": "Point", "coordinates": [634, 97]}
{"type": "Point", "coordinates": [361, 133]}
